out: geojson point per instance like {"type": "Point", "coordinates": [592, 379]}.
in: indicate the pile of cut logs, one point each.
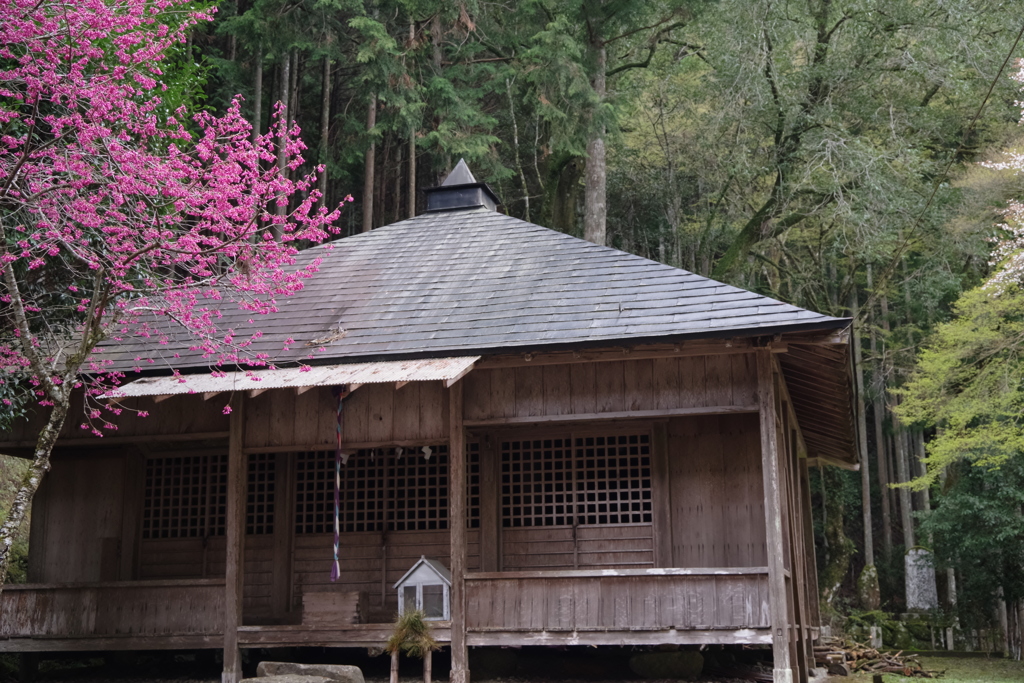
{"type": "Point", "coordinates": [843, 657]}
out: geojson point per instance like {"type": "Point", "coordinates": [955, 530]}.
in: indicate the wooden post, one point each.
{"type": "Point", "coordinates": [457, 527]}
{"type": "Point", "coordinates": [777, 602]}
{"type": "Point", "coordinates": [284, 526]}
{"type": "Point", "coordinates": [490, 508]}
{"type": "Point", "coordinates": [235, 539]}
{"type": "Point", "coordinates": [662, 497]}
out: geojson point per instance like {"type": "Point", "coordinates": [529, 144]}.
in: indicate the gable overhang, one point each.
{"type": "Point", "coordinates": [820, 383]}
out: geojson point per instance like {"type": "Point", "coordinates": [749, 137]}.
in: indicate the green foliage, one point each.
{"type": "Point", "coordinates": [969, 381]}
{"type": "Point", "coordinates": [979, 529]}
{"type": "Point", "coordinates": [411, 636]}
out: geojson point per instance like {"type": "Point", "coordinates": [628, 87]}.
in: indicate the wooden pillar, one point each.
{"type": "Point", "coordinates": [490, 508]}
{"type": "Point", "coordinates": [777, 600]}
{"type": "Point", "coordinates": [457, 527]}
{"type": "Point", "coordinates": [235, 539]}
{"type": "Point", "coordinates": [662, 495]}
{"type": "Point", "coordinates": [284, 528]}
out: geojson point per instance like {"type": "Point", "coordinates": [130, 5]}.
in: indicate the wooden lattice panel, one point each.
{"type": "Point", "coordinates": [473, 486]}
{"type": "Point", "coordinates": [613, 479]}
{"type": "Point", "coordinates": [418, 489]}
{"type": "Point", "coordinates": [259, 506]}
{"type": "Point", "coordinates": [576, 481]}
{"type": "Point", "coordinates": [537, 482]}
{"type": "Point", "coordinates": [362, 492]}
{"type": "Point", "coordinates": [185, 496]}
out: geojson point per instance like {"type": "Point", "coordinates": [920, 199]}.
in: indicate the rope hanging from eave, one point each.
{"type": "Point", "coordinates": [340, 459]}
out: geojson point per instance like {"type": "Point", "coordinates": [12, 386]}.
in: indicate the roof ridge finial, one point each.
{"type": "Point", "coordinates": [460, 190]}
{"type": "Point", "coordinates": [461, 175]}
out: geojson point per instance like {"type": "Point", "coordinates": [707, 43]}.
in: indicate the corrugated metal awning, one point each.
{"type": "Point", "coordinates": [448, 370]}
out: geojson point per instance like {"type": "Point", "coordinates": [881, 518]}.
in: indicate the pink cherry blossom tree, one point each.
{"type": "Point", "coordinates": [118, 215]}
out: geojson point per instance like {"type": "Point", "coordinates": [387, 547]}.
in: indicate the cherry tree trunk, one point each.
{"type": "Point", "coordinates": [30, 484]}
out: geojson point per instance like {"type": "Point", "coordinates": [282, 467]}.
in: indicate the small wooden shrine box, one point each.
{"type": "Point", "coordinates": [426, 587]}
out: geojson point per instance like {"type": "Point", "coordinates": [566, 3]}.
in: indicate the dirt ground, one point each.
{"type": "Point", "coordinates": [577, 665]}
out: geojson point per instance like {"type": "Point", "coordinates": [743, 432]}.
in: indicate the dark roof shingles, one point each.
{"type": "Point", "coordinates": [452, 282]}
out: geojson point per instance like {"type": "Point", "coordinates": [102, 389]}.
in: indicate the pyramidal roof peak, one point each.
{"type": "Point", "coordinates": [460, 176]}
{"type": "Point", "coordinates": [461, 190]}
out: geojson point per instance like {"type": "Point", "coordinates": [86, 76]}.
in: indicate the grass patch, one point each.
{"type": "Point", "coordinates": [962, 670]}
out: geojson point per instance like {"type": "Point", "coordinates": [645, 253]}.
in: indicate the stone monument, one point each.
{"type": "Point", "coordinates": [922, 594]}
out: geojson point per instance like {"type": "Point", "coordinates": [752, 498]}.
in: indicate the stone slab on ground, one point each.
{"type": "Point", "coordinates": [287, 678]}
{"type": "Point", "coordinates": [334, 673]}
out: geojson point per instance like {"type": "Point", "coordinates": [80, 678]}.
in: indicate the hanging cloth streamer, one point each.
{"type": "Point", "coordinates": [340, 459]}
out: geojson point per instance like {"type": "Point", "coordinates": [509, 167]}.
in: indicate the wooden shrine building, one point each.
{"type": "Point", "coordinates": [600, 449]}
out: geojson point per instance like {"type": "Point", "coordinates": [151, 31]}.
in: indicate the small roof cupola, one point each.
{"type": "Point", "coordinates": [460, 190]}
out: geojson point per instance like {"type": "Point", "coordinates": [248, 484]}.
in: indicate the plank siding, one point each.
{"type": "Point", "coordinates": [144, 608]}
{"type": "Point", "coordinates": [362, 564]}
{"type": "Point", "coordinates": [78, 536]}
{"type": "Point", "coordinates": [555, 548]}
{"type": "Point", "coordinates": [632, 601]}
{"type": "Point", "coordinates": [717, 514]}
{"type": "Point", "coordinates": [374, 413]}
{"type": "Point", "coordinates": [613, 386]}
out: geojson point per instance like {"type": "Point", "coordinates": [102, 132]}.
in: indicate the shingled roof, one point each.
{"type": "Point", "coordinates": [475, 281]}
{"type": "Point", "coordinates": [465, 280]}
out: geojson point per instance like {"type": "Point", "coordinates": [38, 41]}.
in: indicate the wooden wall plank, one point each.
{"type": "Point", "coordinates": [283, 407]}
{"type": "Point", "coordinates": [639, 384]}
{"type": "Point", "coordinates": [692, 382]}
{"type": "Point", "coordinates": [306, 418]}
{"type": "Point", "coordinates": [610, 387]}
{"type": "Point", "coordinates": [478, 394]}
{"type": "Point", "coordinates": [744, 379]}
{"type": "Point", "coordinates": [84, 501]}
{"type": "Point", "coordinates": [356, 416]}
{"type": "Point", "coordinates": [718, 373]}
{"type": "Point", "coordinates": [380, 421]}
{"type": "Point", "coordinates": [503, 393]}
{"type": "Point", "coordinates": [407, 412]}
{"type": "Point", "coordinates": [257, 421]}
{"type": "Point", "coordinates": [583, 380]}
{"type": "Point", "coordinates": [433, 411]}
{"type": "Point", "coordinates": [557, 390]}
{"type": "Point", "coordinates": [666, 383]}
{"type": "Point", "coordinates": [716, 491]}
{"type": "Point", "coordinates": [529, 391]}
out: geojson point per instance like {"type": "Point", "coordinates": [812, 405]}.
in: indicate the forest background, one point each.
{"type": "Point", "coordinates": [821, 152]}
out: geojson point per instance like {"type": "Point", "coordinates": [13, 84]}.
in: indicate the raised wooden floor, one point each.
{"type": "Point", "coordinates": [570, 607]}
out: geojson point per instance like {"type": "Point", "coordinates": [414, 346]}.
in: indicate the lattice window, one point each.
{"type": "Point", "coordinates": [393, 488]}
{"type": "Point", "coordinates": [537, 482]}
{"type": "Point", "coordinates": [362, 493]}
{"type": "Point", "coordinates": [613, 479]}
{"type": "Point", "coordinates": [418, 489]}
{"type": "Point", "coordinates": [473, 486]}
{"type": "Point", "coordinates": [583, 480]}
{"type": "Point", "coordinates": [259, 506]}
{"type": "Point", "coordinates": [185, 496]}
